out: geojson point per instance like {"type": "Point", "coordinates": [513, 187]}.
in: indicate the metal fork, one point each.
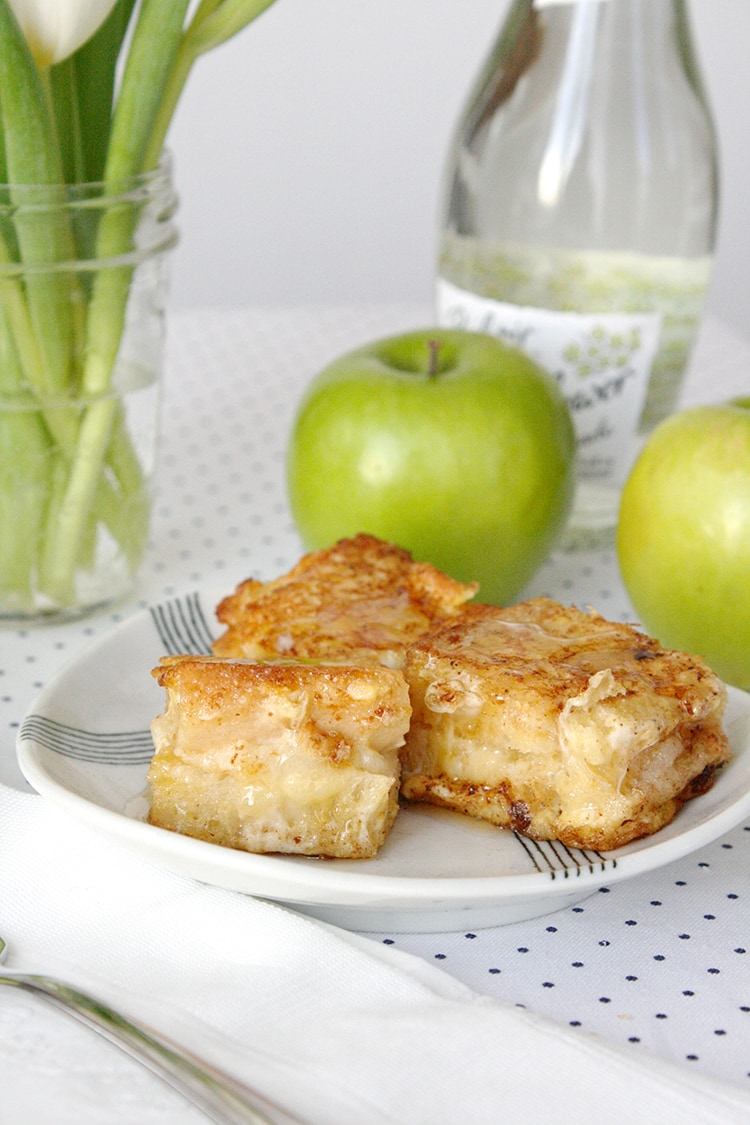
{"type": "Point", "coordinates": [222, 1098]}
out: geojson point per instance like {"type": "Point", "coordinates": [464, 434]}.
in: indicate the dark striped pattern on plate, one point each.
{"type": "Point", "coordinates": [182, 626]}
{"type": "Point", "coordinates": [555, 859]}
{"type": "Point", "coordinates": [120, 748]}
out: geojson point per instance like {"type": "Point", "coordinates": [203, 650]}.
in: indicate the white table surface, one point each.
{"type": "Point", "coordinates": [661, 961]}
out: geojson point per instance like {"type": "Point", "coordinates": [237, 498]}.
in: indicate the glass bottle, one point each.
{"type": "Point", "coordinates": [580, 209]}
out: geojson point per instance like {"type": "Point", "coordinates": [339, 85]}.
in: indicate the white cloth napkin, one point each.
{"type": "Point", "coordinates": [336, 1027]}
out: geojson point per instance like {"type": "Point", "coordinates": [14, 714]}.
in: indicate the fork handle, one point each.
{"type": "Point", "coordinates": [222, 1098]}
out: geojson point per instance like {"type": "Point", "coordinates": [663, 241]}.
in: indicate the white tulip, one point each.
{"type": "Point", "coordinates": [54, 29]}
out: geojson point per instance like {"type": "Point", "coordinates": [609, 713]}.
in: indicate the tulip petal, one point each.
{"type": "Point", "coordinates": [55, 29]}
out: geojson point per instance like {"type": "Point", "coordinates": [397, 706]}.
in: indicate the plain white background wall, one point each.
{"type": "Point", "coordinates": [309, 150]}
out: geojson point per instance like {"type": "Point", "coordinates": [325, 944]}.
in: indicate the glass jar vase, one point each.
{"type": "Point", "coordinates": [83, 281]}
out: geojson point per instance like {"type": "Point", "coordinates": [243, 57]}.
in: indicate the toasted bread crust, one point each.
{"type": "Point", "coordinates": [361, 601]}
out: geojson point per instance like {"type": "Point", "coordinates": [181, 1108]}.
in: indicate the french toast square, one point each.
{"type": "Point", "coordinates": [278, 757]}
{"type": "Point", "coordinates": [361, 601]}
{"type": "Point", "coordinates": [559, 724]}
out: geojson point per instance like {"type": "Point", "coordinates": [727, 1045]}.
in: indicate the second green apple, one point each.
{"type": "Point", "coordinates": [446, 442]}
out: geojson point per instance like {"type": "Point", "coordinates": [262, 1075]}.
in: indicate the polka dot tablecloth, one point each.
{"type": "Point", "coordinates": [660, 961]}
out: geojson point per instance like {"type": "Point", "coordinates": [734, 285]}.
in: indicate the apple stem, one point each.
{"type": "Point", "coordinates": [434, 364]}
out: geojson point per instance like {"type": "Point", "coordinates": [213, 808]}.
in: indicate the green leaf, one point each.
{"type": "Point", "coordinates": [31, 151]}
{"type": "Point", "coordinates": [64, 99]}
{"type": "Point", "coordinates": [95, 66]}
{"type": "Point", "coordinates": [229, 17]}
{"type": "Point", "coordinates": [155, 44]}
{"type": "Point", "coordinates": [213, 22]}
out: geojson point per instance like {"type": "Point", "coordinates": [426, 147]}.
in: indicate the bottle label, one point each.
{"type": "Point", "coordinates": [601, 361]}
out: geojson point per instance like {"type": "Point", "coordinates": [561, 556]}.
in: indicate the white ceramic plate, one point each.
{"type": "Point", "coordinates": [85, 745]}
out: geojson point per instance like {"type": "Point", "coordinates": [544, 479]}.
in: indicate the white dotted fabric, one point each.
{"type": "Point", "coordinates": [660, 960]}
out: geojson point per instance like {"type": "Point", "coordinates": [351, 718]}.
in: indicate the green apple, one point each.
{"type": "Point", "coordinates": [447, 442]}
{"type": "Point", "coordinates": [683, 537]}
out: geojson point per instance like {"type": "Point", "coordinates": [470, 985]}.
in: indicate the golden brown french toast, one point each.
{"type": "Point", "coordinates": [278, 757]}
{"type": "Point", "coordinates": [559, 724]}
{"type": "Point", "coordinates": [361, 601]}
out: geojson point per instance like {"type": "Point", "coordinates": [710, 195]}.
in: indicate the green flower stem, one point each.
{"type": "Point", "coordinates": [11, 376]}
{"type": "Point", "coordinates": [23, 474]}
{"type": "Point", "coordinates": [185, 56]}
{"type": "Point", "coordinates": [60, 335]}
{"type": "Point", "coordinates": [100, 424]}
{"type": "Point", "coordinates": [156, 39]}
{"type": "Point", "coordinates": [21, 331]}
{"type": "Point", "coordinates": [86, 493]}
{"type": "Point", "coordinates": [40, 313]}
{"type": "Point", "coordinates": [68, 530]}
{"type": "Point", "coordinates": [128, 517]}
{"type": "Point", "coordinates": [24, 492]}
{"type": "Point", "coordinates": [29, 440]}
{"type": "Point", "coordinates": [213, 22]}
{"type": "Point", "coordinates": [32, 157]}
